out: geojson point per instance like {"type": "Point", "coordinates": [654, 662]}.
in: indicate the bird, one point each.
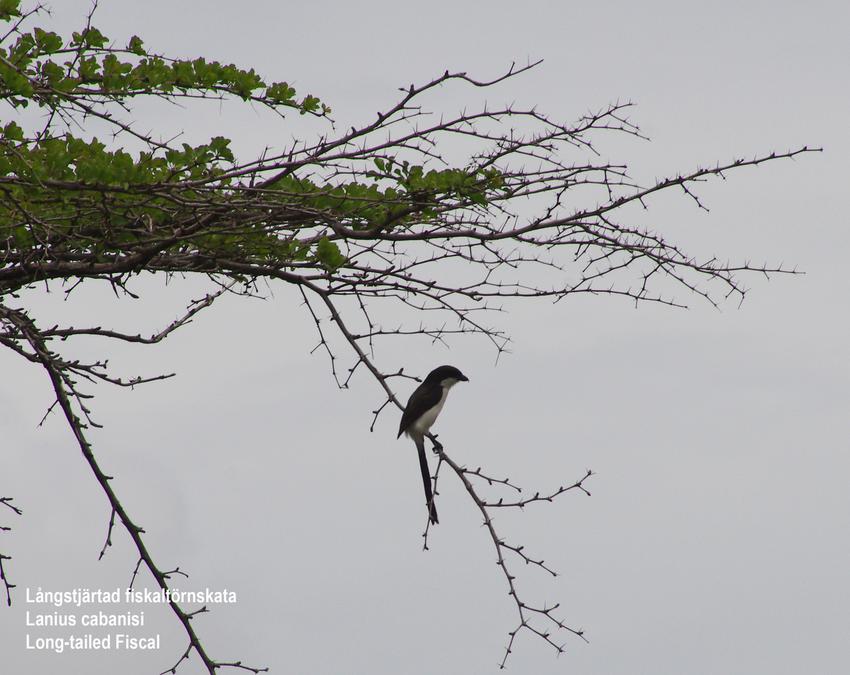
{"type": "Point", "coordinates": [420, 413]}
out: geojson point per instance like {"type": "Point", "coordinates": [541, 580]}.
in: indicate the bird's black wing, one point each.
{"type": "Point", "coordinates": [424, 397]}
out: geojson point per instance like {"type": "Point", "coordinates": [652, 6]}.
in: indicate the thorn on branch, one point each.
{"type": "Point", "coordinates": [108, 541]}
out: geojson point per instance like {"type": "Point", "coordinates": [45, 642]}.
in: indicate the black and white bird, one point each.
{"type": "Point", "coordinates": [423, 407]}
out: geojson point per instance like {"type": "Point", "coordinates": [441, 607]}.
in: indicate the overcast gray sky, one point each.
{"type": "Point", "coordinates": [716, 540]}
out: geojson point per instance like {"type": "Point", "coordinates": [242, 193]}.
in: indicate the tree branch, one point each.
{"type": "Point", "coordinates": [64, 394]}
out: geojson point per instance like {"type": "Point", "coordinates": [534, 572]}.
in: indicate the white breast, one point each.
{"type": "Point", "coordinates": [424, 423]}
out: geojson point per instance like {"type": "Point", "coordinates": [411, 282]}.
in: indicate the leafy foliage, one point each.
{"type": "Point", "coordinates": [68, 195]}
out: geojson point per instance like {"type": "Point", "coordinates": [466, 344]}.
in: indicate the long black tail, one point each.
{"type": "Point", "coordinates": [426, 478]}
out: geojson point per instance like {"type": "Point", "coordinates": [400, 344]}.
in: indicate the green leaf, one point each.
{"type": "Point", "coordinates": [46, 41]}
{"type": "Point", "coordinates": [114, 72]}
{"type": "Point", "coordinates": [327, 253]}
{"type": "Point", "coordinates": [280, 92]}
{"type": "Point", "coordinates": [309, 104]}
{"type": "Point", "coordinates": [136, 46]}
{"type": "Point", "coordinates": [52, 72]}
{"type": "Point", "coordinates": [13, 132]}
{"type": "Point", "coordinates": [89, 69]}
{"type": "Point", "coordinates": [9, 8]}
{"type": "Point", "coordinates": [92, 37]}
{"type": "Point", "coordinates": [220, 146]}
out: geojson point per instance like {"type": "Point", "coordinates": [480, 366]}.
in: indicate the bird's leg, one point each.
{"type": "Point", "coordinates": [437, 447]}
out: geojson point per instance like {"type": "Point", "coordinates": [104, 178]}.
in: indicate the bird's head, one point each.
{"type": "Point", "coordinates": [446, 376]}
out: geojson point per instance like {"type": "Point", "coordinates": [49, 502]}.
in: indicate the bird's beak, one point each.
{"type": "Point", "coordinates": [464, 378]}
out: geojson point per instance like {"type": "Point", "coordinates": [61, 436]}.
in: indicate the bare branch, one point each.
{"type": "Point", "coordinates": [525, 611]}
{"type": "Point", "coordinates": [7, 585]}
{"type": "Point", "coordinates": [64, 390]}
